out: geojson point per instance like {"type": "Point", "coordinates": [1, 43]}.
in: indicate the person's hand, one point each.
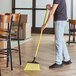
{"type": "Point", "coordinates": [48, 6]}
{"type": "Point", "coordinates": [43, 27]}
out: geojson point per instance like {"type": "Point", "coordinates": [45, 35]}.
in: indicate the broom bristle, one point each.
{"type": "Point", "coordinates": [32, 67]}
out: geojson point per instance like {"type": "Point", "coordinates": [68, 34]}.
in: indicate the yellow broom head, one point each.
{"type": "Point", "coordinates": [30, 66]}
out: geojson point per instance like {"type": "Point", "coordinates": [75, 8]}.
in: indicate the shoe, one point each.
{"type": "Point", "coordinates": [56, 66]}
{"type": "Point", "coordinates": [67, 62]}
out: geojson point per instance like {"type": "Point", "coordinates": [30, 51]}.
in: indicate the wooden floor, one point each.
{"type": "Point", "coordinates": [46, 57]}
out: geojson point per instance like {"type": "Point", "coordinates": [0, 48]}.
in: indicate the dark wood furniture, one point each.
{"type": "Point", "coordinates": [16, 18]}
{"type": "Point", "coordinates": [72, 31]}
{"type": "Point", "coordinates": [6, 36]}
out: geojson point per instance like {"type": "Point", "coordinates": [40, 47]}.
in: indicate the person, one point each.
{"type": "Point", "coordinates": [58, 9]}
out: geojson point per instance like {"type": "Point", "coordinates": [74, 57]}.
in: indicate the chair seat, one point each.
{"type": "Point", "coordinates": [3, 33]}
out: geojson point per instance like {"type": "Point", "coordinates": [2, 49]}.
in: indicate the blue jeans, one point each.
{"type": "Point", "coordinates": [61, 49]}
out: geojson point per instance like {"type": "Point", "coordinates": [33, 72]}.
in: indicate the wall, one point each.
{"type": "Point", "coordinates": [74, 9]}
{"type": "Point", "coordinates": [68, 4]}
{"type": "Point", "coordinates": [5, 6]}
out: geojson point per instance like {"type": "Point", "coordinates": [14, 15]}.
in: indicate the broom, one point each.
{"type": "Point", "coordinates": [34, 66]}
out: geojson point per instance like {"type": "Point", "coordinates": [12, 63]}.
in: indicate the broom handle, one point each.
{"type": "Point", "coordinates": [40, 35]}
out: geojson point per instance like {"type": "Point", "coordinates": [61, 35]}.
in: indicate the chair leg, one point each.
{"type": "Point", "coordinates": [10, 53]}
{"type": "Point", "coordinates": [0, 71]}
{"type": "Point", "coordinates": [73, 36]}
{"type": "Point", "coordinates": [19, 50]}
{"type": "Point", "coordinates": [7, 53]}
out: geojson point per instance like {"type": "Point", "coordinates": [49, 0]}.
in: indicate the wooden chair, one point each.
{"type": "Point", "coordinates": [72, 29]}
{"type": "Point", "coordinates": [16, 17]}
{"type": "Point", "coordinates": [6, 36]}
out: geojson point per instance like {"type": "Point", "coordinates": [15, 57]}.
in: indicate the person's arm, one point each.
{"type": "Point", "coordinates": [51, 13]}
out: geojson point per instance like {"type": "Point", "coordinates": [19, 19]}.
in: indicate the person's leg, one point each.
{"type": "Point", "coordinates": [65, 52]}
{"type": "Point", "coordinates": [64, 47]}
{"type": "Point", "coordinates": [58, 40]}
{"type": "Point", "coordinates": [59, 37]}
{"type": "Point", "coordinates": [61, 49]}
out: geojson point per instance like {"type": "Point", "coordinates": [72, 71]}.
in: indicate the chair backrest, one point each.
{"type": "Point", "coordinates": [72, 22]}
{"type": "Point", "coordinates": [16, 17]}
{"type": "Point", "coordinates": [5, 18]}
